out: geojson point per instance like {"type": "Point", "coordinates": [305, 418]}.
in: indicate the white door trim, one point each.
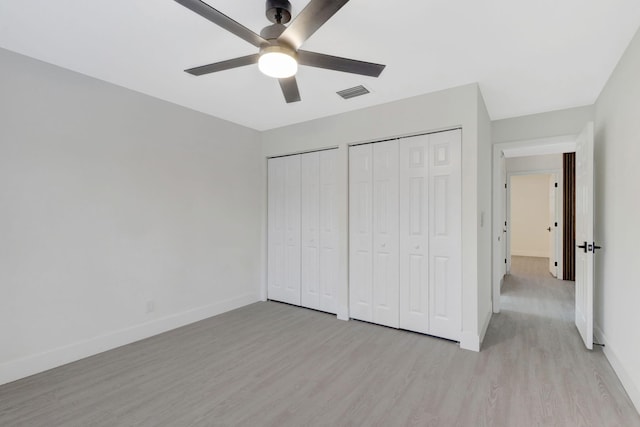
{"type": "Point", "coordinates": [531, 147]}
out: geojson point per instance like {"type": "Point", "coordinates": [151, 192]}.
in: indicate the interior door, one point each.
{"type": "Point", "coordinates": [584, 235]}
{"type": "Point", "coordinates": [552, 226]}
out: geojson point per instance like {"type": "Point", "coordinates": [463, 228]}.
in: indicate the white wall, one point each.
{"type": "Point", "coordinates": [530, 215]}
{"type": "Point", "coordinates": [617, 176]}
{"type": "Point", "coordinates": [110, 199]}
{"type": "Point", "coordinates": [456, 107]}
{"type": "Point", "coordinates": [553, 123]}
{"type": "Point", "coordinates": [485, 207]}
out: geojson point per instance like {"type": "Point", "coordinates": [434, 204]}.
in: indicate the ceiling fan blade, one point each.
{"type": "Point", "coordinates": [222, 20]}
{"type": "Point", "coordinates": [224, 65]}
{"type": "Point", "coordinates": [289, 88]}
{"type": "Point", "coordinates": [320, 60]}
{"type": "Point", "coordinates": [312, 17]}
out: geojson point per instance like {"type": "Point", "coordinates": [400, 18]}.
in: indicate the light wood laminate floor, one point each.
{"type": "Point", "coordinates": [271, 364]}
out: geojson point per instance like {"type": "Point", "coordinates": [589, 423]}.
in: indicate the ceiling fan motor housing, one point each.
{"type": "Point", "coordinates": [278, 11]}
{"type": "Point", "coordinates": [272, 32]}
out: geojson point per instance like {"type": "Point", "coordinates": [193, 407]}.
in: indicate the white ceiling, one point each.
{"type": "Point", "coordinates": [528, 56]}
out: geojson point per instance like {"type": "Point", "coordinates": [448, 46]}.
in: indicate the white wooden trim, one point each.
{"type": "Point", "coordinates": [540, 146]}
{"type": "Point", "coordinates": [485, 326]}
{"type": "Point", "coordinates": [470, 341]}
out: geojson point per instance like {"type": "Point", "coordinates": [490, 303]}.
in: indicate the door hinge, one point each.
{"type": "Point", "coordinates": [556, 224]}
{"type": "Point", "coordinates": [505, 186]}
{"type": "Point", "coordinates": [505, 223]}
{"type": "Point", "coordinates": [505, 260]}
{"type": "Point", "coordinates": [556, 263]}
{"type": "Point", "coordinates": [556, 185]}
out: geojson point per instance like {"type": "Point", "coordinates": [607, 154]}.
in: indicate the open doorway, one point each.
{"type": "Point", "coordinates": [585, 246]}
{"type": "Point", "coordinates": [542, 156]}
{"type": "Point", "coordinates": [534, 212]}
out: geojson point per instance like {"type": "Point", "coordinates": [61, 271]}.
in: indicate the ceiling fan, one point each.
{"type": "Point", "coordinates": [279, 45]}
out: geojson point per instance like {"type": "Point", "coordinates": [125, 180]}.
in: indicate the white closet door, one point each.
{"type": "Point", "coordinates": [414, 234]}
{"type": "Point", "coordinates": [445, 236]}
{"type": "Point", "coordinates": [283, 277]}
{"type": "Point", "coordinates": [310, 181]}
{"type": "Point", "coordinates": [360, 232]}
{"type": "Point", "coordinates": [328, 230]}
{"type": "Point", "coordinates": [385, 234]}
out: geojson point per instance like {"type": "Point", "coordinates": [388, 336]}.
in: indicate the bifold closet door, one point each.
{"type": "Point", "coordinates": [385, 233]}
{"type": "Point", "coordinates": [373, 230]}
{"type": "Point", "coordinates": [445, 234]}
{"type": "Point", "coordinates": [414, 234]}
{"type": "Point", "coordinates": [319, 230]}
{"type": "Point", "coordinates": [405, 228]}
{"type": "Point", "coordinates": [430, 234]}
{"type": "Point", "coordinates": [284, 241]}
{"type": "Point", "coordinates": [361, 232]}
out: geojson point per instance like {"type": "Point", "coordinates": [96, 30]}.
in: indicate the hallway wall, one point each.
{"type": "Point", "coordinates": [617, 150]}
{"type": "Point", "coordinates": [529, 215]}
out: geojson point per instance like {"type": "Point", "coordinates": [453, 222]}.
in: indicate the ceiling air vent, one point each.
{"type": "Point", "coordinates": [352, 92]}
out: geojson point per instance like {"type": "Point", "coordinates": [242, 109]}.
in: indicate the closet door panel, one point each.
{"type": "Point", "coordinates": [283, 277]}
{"type": "Point", "coordinates": [385, 233]}
{"type": "Point", "coordinates": [328, 231]}
{"type": "Point", "coordinates": [292, 230]}
{"type": "Point", "coordinates": [360, 232]}
{"type": "Point", "coordinates": [445, 236]}
{"type": "Point", "coordinates": [414, 234]}
{"type": "Point", "coordinates": [276, 262]}
{"type": "Point", "coordinates": [310, 224]}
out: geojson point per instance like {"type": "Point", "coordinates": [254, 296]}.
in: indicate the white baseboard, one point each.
{"type": "Point", "coordinates": [473, 342]}
{"type": "Point", "coordinates": [485, 326]}
{"type": "Point", "coordinates": [632, 389]}
{"type": "Point", "coordinates": [470, 341]}
{"type": "Point", "coordinates": [495, 302]}
{"type": "Point", "coordinates": [26, 366]}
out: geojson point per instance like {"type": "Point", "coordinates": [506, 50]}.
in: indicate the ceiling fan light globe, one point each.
{"type": "Point", "coordinates": [277, 64]}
